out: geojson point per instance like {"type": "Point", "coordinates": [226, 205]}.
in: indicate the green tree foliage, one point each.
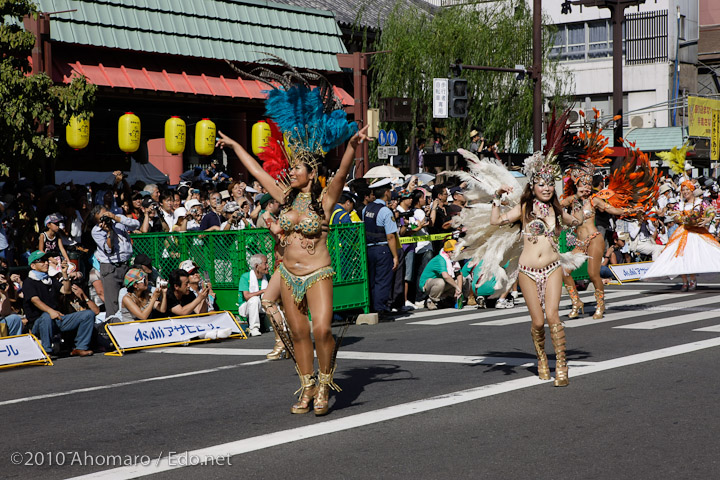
{"type": "Point", "coordinates": [29, 103]}
{"type": "Point", "coordinates": [496, 34]}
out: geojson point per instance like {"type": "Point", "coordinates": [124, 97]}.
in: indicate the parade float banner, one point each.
{"type": "Point", "coordinates": [163, 332]}
{"type": "Point", "coordinates": [630, 272]}
{"type": "Point", "coordinates": [701, 116]}
{"type": "Point", "coordinates": [22, 350]}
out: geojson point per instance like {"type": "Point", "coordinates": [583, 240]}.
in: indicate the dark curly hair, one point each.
{"type": "Point", "coordinates": [315, 193]}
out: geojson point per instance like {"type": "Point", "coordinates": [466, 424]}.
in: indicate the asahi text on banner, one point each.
{"type": "Point", "coordinates": [150, 333]}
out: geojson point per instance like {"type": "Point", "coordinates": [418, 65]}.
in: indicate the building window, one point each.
{"type": "Point", "coordinates": [583, 41]}
{"type": "Point", "coordinates": [647, 37]}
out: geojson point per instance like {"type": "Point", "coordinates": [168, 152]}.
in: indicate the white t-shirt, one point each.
{"type": "Point", "coordinates": [419, 216]}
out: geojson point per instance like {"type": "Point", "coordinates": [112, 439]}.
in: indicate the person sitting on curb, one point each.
{"type": "Point", "coordinates": [250, 290]}
{"type": "Point", "coordinates": [439, 279]}
{"type": "Point", "coordinates": [41, 294]}
{"type": "Point", "coordinates": [196, 283]}
{"type": "Point", "coordinates": [181, 301]}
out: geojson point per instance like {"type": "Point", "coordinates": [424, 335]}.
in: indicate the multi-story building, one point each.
{"type": "Point", "coordinates": [659, 58]}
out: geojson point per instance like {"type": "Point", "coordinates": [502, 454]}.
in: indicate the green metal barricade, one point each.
{"type": "Point", "coordinates": [581, 273]}
{"type": "Point", "coordinates": [224, 256]}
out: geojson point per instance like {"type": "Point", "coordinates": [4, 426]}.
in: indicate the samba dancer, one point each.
{"type": "Point", "coordinates": [306, 269]}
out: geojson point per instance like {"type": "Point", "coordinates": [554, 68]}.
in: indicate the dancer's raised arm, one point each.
{"type": "Point", "coordinates": [336, 186]}
{"type": "Point", "coordinates": [267, 181]}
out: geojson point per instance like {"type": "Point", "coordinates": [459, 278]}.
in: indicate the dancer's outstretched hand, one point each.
{"type": "Point", "coordinates": [224, 141]}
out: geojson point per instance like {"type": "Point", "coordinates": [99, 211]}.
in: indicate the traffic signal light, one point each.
{"type": "Point", "coordinates": [458, 98]}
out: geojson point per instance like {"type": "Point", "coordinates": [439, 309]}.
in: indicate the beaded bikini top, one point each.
{"type": "Point", "coordinates": [309, 226]}
{"type": "Point", "coordinates": [538, 228]}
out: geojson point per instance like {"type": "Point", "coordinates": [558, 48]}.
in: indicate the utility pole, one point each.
{"type": "Point", "coordinates": [537, 75]}
{"type": "Point", "coordinates": [617, 12]}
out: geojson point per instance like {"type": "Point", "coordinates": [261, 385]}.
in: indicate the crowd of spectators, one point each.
{"type": "Point", "coordinates": [69, 246]}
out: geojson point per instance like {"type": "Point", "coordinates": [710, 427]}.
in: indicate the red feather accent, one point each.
{"type": "Point", "coordinates": [273, 155]}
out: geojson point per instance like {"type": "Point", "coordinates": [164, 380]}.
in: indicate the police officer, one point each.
{"type": "Point", "coordinates": [381, 233]}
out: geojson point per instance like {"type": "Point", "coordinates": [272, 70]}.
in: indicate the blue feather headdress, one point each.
{"type": "Point", "coordinates": [310, 132]}
{"type": "Point", "coordinates": [311, 119]}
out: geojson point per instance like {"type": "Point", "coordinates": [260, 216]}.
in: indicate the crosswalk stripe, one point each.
{"type": "Point", "coordinates": [526, 318]}
{"type": "Point", "coordinates": [614, 316]}
{"type": "Point", "coordinates": [474, 314]}
{"type": "Point", "coordinates": [712, 329]}
{"type": "Point", "coordinates": [377, 356]}
{"type": "Point", "coordinates": [672, 321]}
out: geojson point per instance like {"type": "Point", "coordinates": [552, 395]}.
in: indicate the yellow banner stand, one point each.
{"type": "Point", "coordinates": [21, 350]}
{"type": "Point", "coordinates": [170, 331]}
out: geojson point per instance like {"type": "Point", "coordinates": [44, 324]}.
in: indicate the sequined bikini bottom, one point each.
{"type": "Point", "coordinates": [300, 284]}
{"type": "Point", "coordinates": [540, 277]}
{"type": "Point", "coordinates": [583, 245]}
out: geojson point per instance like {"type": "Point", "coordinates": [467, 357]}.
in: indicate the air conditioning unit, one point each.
{"type": "Point", "coordinates": [642, 120]}
{"type": "Point", "coordinates": [574, 116]}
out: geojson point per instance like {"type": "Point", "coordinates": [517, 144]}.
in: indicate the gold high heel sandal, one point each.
{"type": "Point", "coordinates": [578, 307]}
{"type": "Point", "coordinates": [283, 343]}
{"type": "Point", "coordinates": [278, 350]}
{"type": "Point", "coordinates": [321, 402]}
{"type": "Point", "coordinates": [600, 304]}
{"type": "Point", "coordinates": [307, 391]}
{"type": "Point", "coordinates": [538, 337]}
{"type": "Point", "coordinates": [557, 334]}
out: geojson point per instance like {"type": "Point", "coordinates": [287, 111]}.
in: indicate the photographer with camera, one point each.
{"type": "Point", "coordinates": [194, 215]}
{"type": "Point", "coordinates": [150, 217]}
{"type": "Point", "coordinates": [234, 217]}
{"type": "Point", "coordinates": [181, 301]}
{"type": "Point", "coordinates": [139, 303]}
{"type": "Point", "coordinates": [114, 249]}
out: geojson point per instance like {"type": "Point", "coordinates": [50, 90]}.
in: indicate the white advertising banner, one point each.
{"type": "Point", "coordinates": [21, 349]}
{"type": "Point", "coordinates": [148, 333]}
{"type": "Point", "coordinates": [630, 272]}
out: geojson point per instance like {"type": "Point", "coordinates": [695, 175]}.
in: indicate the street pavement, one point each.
{"type": "Point", "coordinates": [433, 394]}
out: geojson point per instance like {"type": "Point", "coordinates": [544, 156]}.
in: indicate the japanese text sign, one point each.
{"type": "Point", "coordinates": [21, 349]}
{"type": "Point", "coordinates": [144, 334]}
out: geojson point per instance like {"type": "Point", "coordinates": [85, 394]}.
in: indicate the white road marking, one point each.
{"type": "Point", "coordinates": [611, 316]}
{"type": "Point", "coordinates": [269, 440]}
{"type": "Point", "coordinates": [476, 313]}
{"type": "Point", "coordinates": [125, 384]}
{"type": "Point", "coordinates": [526, 318]}
{"type": "Point", "coordinates": [713, 329]}
{"type": "Point", "coordinates": [376, 356]}
{"type": "Point", "coordinates": [671, 321]}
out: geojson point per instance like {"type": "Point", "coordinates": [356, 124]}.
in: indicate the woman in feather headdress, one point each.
{"type": "Point", "coordinates": [691, 249]}
{"type": "Point", "coordinates": [531, 250]}
{"type": "Point", "coordinates": [312, 123]}
{"type": "Point", "coordinates": [632, 189]}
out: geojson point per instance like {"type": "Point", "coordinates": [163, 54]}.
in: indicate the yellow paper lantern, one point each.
{"type": "Point", "coordinates": [260, 136]}
{"type": "Point", "coordinates": [77, 132]}
{"type": "Point", "coordinates": [175, 135]}
{"type": "Point", "coordinates": [129, 132]}
{"type": "Point", "coordinates": [205, 132]}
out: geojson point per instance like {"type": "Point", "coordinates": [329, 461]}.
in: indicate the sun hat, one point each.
{"type": "Point", "coordinates": [133, 276]}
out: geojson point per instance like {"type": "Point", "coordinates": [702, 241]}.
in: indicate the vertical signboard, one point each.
{"type": "Point", "coordinates": [440, 98]}
{"type": "Point", "coordinates": [715, 136]}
